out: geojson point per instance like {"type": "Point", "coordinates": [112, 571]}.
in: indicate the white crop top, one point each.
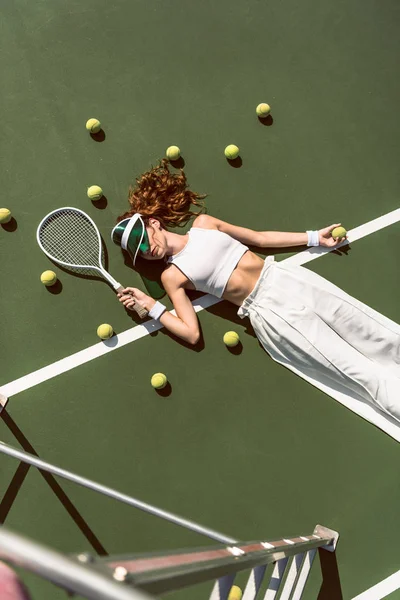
{"type": "Point", "coordinates": [208, 259]}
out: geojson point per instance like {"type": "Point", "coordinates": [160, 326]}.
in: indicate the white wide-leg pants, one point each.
{"type": "Point", "coordinates": [312, 327]}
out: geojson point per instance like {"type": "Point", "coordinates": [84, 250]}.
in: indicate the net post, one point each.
{"type": "Point", "coordinates": [324, 532]}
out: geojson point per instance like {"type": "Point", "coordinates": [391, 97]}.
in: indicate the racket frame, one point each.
{"type": "Point", "coordinates": [142, 312]}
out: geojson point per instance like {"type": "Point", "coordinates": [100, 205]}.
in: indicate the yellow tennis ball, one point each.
{"type": "Point", "coordinates": [93, 125]}
{"type": "Point", "coordinates": [95, 192]}
{"type": "Point", "coordinates": [263, 110]}
{"type": "Point", "coordinates": [235, 593]}
{"type": "Point", "coordinates": [231, 338]}
{"type": "Point", "coordinates": [48, 278]}
{"type": "Point", "coordinates": [105, 331]}
{"type": "Point", "coordinates": [231, 151]}
{"type": "Point", "coordinates": [5, 215]}
{"type": "Point", "coordinates": [159, 381]}
{"type": "Point", "coordinates": [339, 232]}
{"type": "Point", "coordinates": [173, 153]}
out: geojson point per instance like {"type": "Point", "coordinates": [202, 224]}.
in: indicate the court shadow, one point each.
{"type": "Point", "coordinates": [331, 588]}
{"type": "Point", "coordinates": [297, 249]}
{"type": "Point", "coordinates": [12, 225]}
{"type": "Point", "coordinates": [101, 203]}
{"type": "Point", "coordinates": [342, 250]}
{"type": "Point", "coordinates": [228, 311]}
{"type": "Point", "coordinates": [12, 491]}
{"type": "Point", "coordinates": [267, 121]}
{"type": "Point", "coordinates": [150, 272]}
{"type": "Point", "coordinates": [100, 136]}
{"type": "Point", "coordinates": [19, 477]}
{"type": "Point", "coordinates": [236, 163]}
{"type": "Point", "coordinates": [76, 273]}
{"type": "Point", "coordinates": [236, 350]}
{"type": "Point", "coordinates": [179, 163]}
{"type": "Point", "coordinates": [166, 391]}
{"type": "Point", "coordinates": [275, 251]}
{"type": "Point", "coordinates": [56, 288]}
{"type": "Point", "coordinates": [112, 342]}
{"type": "Point", "coordinates": [199, 347]}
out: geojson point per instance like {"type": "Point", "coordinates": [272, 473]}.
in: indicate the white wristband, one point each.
{"type": "Point", "coordinates": [313, 238]}
{"type": "Point", "coordinates": [157, 310]}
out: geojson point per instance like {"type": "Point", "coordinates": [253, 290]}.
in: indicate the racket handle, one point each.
{"type": "Point", "coordinates": [142, 312]}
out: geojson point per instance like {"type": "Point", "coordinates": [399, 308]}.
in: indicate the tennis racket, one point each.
{"type": "Point", "coordinates": [70, 238]}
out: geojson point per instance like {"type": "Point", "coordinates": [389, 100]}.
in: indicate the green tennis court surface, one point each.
{"type": "Point", "coordinates": [240, 444]}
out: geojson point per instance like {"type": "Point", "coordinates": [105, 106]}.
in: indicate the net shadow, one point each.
{"type": "Point", "coordinates": [331, 588]}
{"type": "Point", "coordinates": [19, 477]}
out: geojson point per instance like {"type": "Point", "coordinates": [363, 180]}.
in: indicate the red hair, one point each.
{"type": "Point", "coordinates": [164, 196]}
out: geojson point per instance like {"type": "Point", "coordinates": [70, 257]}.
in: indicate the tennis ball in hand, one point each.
{"type": "Point", "coordinates": [95, 192]}
{"type": "Point", "coordinates": [105, 331]}
{"type": "Point", "coordinates": [235, 593]}
{"type": "Point", "coordinates": [231, 339]}
{"type": "Point", "coordinates": [231, 151]}
{"type": "Point", "coordinates": [48, 278]}
{"type": "Point", "coordinates": [263, 110]}
{"type": "Point", "coordinates": [93, 125]}
{"type": "Point", "coordinates": [5, 215]}
{"type": "Point", "coordinates": [159, 381]}
{"type": "Point", "coordinates": [338, 232]}
{"type": "Point", "coordinates": [173, 153]}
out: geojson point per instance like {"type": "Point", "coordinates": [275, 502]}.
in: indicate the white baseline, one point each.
{"type": "Point", "coordinates": [381, 589]}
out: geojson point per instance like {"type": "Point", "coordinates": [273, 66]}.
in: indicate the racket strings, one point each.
{"type": "Point", "coordinates": [70, 238]}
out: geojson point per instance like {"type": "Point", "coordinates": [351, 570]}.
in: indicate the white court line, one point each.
{"type": "Point", "coordinates": [355, 234]}
{"type": "Point", "coordinates": [381, 589]}
{"type": "Point", "coordinates": [138, 331]}
{"type": "Point", "coordinates": [88, 354]}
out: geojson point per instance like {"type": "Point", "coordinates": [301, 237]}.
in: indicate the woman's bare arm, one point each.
{"type": "Point", "coordinates": [264, 239]}
{"type": "Point", "coordinates": [185, 324]}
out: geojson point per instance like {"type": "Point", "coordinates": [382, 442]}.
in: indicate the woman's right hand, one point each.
{"type": "Point", "coordinates": [130, 296]}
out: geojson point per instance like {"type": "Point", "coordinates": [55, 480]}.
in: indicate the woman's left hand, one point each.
{"type": "Point", "coordinates": [326, 239]}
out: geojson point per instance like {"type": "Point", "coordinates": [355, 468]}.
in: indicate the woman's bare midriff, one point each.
{"type": "Point", "coordinates": [242, 281]}
{"type": "Point", "coordinates": [243, 278]}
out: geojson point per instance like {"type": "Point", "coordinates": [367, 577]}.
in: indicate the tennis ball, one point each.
{"type": "Point", "coordinates": [235, 593]}
{"type": "Point", "coordinates": [93, 125]}
{"type": "Point", "coordinates": [263, 110]}
{"type": "Point", "coordinates": [159, 381]}
{"type": "Point", "coordinates": [231, 152]}
{"type": "Point", "coordinates": [231, 338]}
{"type": "Point", "coordinates": [105, 331]}
{"type": "Point", "coordinates": [173, 153]}
{"type": "Point", "coordinates": [95, 192]}
{"type": "Point", "coordinates": [48, 278]}
{"type": "Point", "coordinates": [5, 215]}
{"type": "Point", "coordinates": [338, 232]}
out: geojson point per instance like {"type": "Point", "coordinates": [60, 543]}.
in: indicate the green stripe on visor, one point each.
{"type": "Point", "coordinates": [132, 236]}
